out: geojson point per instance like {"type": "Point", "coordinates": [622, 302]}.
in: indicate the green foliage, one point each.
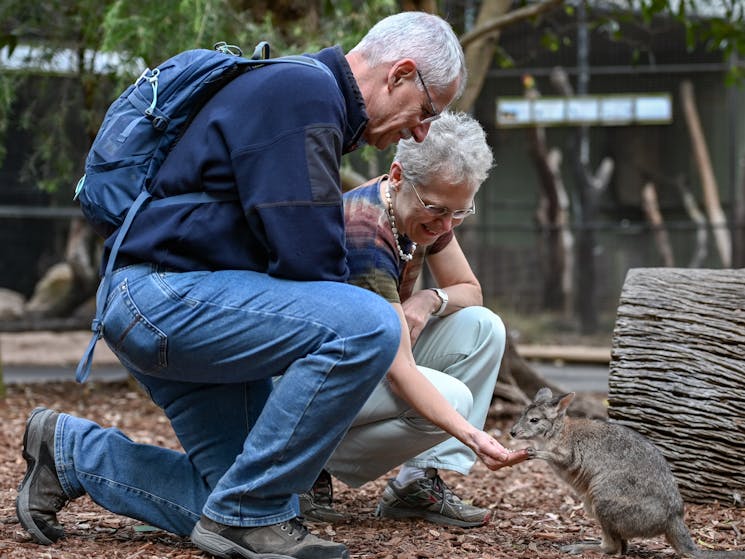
{"type": "Point", "coordinates": [7, 95]}
{"type": "Point", "coordinates": [720, 30]}
{"type": "Point", "coordinates": [149, 32]}
{"type": "Point", "coordinates": [141, 31]}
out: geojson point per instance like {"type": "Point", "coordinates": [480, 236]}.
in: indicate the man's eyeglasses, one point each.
{"type": "Point", "coordinates": [433, 114]}
{"type": "Point", "coordinates": [441, 211]}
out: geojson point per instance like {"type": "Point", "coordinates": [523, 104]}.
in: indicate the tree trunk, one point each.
{"type": "Point", "coordinates": [480, 53]}
{"type": "Point", "coordinates": [518, 383]}
{"type": "Point", "coordinates": [677, 374]}
{"type": "Point", "coordinates": [651, 208]}
{"type": "Point", "coordinates": [708, 182]}
{"type": "Point", "coordinates": [480, 42]}
{"type": "Point", "coordinates": [698, 217]}
{"type": "Point", "coordinates": [552, 214]}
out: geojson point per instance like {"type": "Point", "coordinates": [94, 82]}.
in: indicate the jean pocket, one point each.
{"type": "Point", "coordinates": [131, 336]}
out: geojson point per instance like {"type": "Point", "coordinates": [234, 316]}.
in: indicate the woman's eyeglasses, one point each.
{"type": "Point", "coordinates": [442, 211]}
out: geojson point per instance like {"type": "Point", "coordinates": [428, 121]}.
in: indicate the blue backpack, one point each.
{"type": "Point", "coordinates": [138, 131]}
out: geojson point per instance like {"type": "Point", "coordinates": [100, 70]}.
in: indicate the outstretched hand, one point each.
{"type": "Point", "coordinates": [494, 455]}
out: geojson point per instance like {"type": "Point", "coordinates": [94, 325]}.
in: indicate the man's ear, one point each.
{"type": "Point", "coordinates": [400, 71]}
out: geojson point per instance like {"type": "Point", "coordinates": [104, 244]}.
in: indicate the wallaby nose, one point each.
{"type": "Point", "coordinates": [513, 433]}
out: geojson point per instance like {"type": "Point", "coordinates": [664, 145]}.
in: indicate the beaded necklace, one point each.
{"type": "Point", "coordinates": [392, 219]}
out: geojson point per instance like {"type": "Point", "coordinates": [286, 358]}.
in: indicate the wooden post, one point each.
{"type": "Point", "coordinates": [677, 374]}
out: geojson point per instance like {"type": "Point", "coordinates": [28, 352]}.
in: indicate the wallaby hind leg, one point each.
{"type": "Point", "coordinates": [610, 545]}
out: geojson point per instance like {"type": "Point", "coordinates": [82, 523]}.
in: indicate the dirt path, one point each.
{"type": "Point", "coordinates": [533, 512]}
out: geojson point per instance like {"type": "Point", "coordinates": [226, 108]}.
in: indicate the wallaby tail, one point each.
{"type": "Point", "coordinates": [706, 554]}
{"type": "Point", "coordinates": [680, 538]}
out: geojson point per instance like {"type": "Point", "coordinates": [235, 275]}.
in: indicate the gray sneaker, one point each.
{"type": "Point", "coordinates": [317, 505]}
{"type": "Point", "coordinates": [286, 540]}
{"type": "Point", "coordinates": [429, 498]}
{"type": "Point", "coordinates": [40, 495]}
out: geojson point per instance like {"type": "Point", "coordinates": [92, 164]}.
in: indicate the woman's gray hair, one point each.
{"type": "Point", "coordinates": [425, 38]}
{"type": "Point", "coordinates": [455, 150]}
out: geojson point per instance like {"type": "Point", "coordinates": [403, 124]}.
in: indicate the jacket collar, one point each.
{"type": "Point", "coordinates": [357, 118]}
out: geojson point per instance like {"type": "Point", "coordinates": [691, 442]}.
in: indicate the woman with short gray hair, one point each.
{"type": "Point", "coordinates": [429, 412]}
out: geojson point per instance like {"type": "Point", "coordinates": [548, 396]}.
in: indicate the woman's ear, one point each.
{"type": "Point", "coordinates": [395, 176]}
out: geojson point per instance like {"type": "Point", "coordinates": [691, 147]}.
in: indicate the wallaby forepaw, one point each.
{"type": "Point", "coordinates": [531, 452]}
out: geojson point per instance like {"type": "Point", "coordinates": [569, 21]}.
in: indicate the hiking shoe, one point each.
{"type": "Point", "coordinates": [429, 498]}
{"type": "Point", "coordinates": [317, 504]}
{"type": "Point", "coordinates": [40, 495]}
{"type": "Point", "coordinates": [285, 540]}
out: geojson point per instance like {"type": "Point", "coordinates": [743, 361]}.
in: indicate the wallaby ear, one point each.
{"type": "Point", "coordinates": [563, 401]}
{"type": "Point", "coordinates": [543, 395]}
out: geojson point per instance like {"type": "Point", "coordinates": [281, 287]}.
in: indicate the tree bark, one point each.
{"type": "Point", "coordinates": [677, 374]}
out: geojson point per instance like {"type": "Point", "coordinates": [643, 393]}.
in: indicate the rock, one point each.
{"type": "Point", "coordinates": [11, 304]}
{"type": "Point", "coordinates": [53, 292]}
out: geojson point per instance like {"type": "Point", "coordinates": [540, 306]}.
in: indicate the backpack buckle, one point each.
{"type": "Point", "coordinates": [225, 48]}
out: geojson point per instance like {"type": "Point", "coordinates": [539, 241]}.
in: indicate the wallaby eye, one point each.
{"type": "Point", "coordinates": [534, 420]}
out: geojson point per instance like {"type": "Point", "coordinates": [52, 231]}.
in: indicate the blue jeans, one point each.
{"type": "Point", "coordinates": [205, 346]}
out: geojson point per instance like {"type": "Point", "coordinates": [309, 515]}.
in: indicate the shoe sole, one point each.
{"type": "Point", "coordinates": [434, 517]}
{"type": "Point", "coordinates": [31, 448]}
{"type": "Point", "coordinates": [213, 543]}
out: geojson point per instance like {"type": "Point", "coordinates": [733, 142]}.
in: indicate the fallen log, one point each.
{"type": "Point", "coordinates": [677, 374]}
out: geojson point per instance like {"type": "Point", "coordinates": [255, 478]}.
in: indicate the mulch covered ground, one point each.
{"type": "Point", "coordinates": [534, 514]}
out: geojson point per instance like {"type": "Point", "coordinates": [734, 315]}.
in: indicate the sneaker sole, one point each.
{"type": "Point", "coordinates": [213, 543]}
{"type": "Point", "coordinates": [434, 517]}
{"type": "Point", "coordinates": [31, 448]}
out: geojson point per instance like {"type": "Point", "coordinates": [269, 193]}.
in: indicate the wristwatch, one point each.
{"type": "Point", "coordinates": [443, 300]}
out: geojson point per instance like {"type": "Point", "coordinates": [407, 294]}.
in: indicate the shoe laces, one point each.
{"type": "Point", "coordinates": [322, 491]}
{"type": "Point", "coordinates": [294, 528]}
{"type": "Point", "coordinates": [442, 490]}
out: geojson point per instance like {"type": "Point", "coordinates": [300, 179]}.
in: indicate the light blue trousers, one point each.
{"type": "Point", "coordinates": [205, 346]}
{"type": "Point", "coordinates": [460, 354]}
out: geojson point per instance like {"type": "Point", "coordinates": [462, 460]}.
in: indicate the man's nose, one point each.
{"type": "Point", "coordinates": [420, 132]}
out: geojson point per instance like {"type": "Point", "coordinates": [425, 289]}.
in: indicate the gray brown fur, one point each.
{"type": "Point", "coordinates": [623, 480]}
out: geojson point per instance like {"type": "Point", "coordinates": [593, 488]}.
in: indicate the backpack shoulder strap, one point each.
{"type": "Point", "coordinates": [83, 370]}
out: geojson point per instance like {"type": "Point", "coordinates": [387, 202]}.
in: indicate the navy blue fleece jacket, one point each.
{"type": "Point", "coordinates": [274, 135]}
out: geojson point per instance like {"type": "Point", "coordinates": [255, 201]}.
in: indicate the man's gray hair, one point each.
{"type": "Point", "coordinates": [425, 38]}
{"type": "Point", "coordinates": [455, 150]}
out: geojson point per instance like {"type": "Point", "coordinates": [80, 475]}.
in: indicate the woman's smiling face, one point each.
{"type": "Point", "coordinates": [413, 219]}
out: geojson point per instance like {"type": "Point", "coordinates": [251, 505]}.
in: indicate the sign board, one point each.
{"type": "Point", "coordinates": [598, 110]}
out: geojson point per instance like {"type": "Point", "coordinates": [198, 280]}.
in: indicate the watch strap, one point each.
{"type": "Point", "coordinates": [443, 300]}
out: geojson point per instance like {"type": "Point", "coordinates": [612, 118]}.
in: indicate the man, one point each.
{"type": "Point", "coordinates": [208, 302]}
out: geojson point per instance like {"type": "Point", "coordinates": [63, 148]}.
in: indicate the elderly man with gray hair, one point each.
{"type": "Point", "coordinates": [208, 302]}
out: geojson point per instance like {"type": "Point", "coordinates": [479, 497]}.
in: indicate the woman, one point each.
{"type": "Point", "coordinates": [429, 411]}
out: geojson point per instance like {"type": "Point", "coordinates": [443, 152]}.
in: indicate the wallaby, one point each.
{"type": "Point", "coordinates": [622, 478]}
